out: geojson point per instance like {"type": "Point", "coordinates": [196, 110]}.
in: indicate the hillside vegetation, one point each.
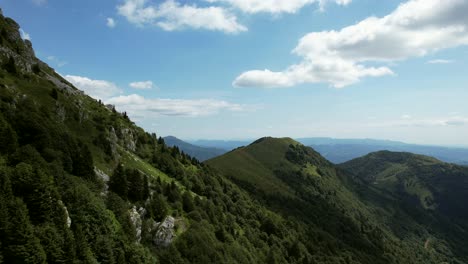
{"type": "Point", "coordinates": [296, 182]}
{"type": "Point", "coordinates": [81, 183]}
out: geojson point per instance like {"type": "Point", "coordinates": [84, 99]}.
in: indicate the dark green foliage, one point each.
{"type": "Point", "coordinates": [137, 187]}
{"type": "Point", "coordinates": [83, 162]}
{"type": "Point", "coordinates": [10, 66]}
{"type": "Point", "coordinates": [118, 182]}
{"type": "Point", "coordinates": [187, 202]}
{"type": "Point", "coordinates": [146, 191]}
{"type": "Point", "coordinates": [36, 69]}
{"type": "Point", "coordinates": [54, 93]}
{"type": "Point", "coordinates": [172, 192]}
{"type": "Point", "coordinates": [158, 207]}
{"type": "Point", "coordinates": [20, 244]}
{"type": "Point", "coordinates": [8, 137]}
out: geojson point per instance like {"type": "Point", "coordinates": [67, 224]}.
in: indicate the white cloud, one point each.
{"type": "Point", "coordinates": [340, 58]}
{"type": "Point", "coordinates": [425, 122]}
{"type": "Point", "coordinates": [142, 85]}
{"type": "Point", "coordinates": [171, 15]}
{"type": "Point", "coordinates": [24, 35]}
{"type": "Point", "coordinates": [111, 22]}
{"type": "Point", "coordinates": [406, 117]}
{"type": "Point", "coordinates": [139, 106]}
{"type": "Point", "coordinates": [39, 2]}
{"type": "Point", "coordinates": [275, 6]}
{"type": "Point", "coordinates": [98, 89]}
{"type": "Point", "coordinates": [59, 63]}
{"type": "Point", "coordinates": [440, 61]}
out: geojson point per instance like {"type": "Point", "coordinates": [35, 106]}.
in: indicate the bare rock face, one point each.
{"type": "Point", "coordinates": [69, 221]}
{"type": "Point", "coordinates": [128, 139]}
{"type": "Point", "coordinates": [101, 174]}
{"type": "Point", "coordinates": [165, 232]}
{"type": "Point", "coordinates": [17, 48]}
{"type": "Point", "coordinates": [136, 219]}
{"type": "Point", "coordinates": [61, 84]}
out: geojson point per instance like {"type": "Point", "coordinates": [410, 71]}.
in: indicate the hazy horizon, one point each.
{"type": "Point", "coordinates": [192, 140]}
{"type": "Point", "coordinates": [394, 70]}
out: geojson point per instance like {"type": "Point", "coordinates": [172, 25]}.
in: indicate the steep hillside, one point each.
{"type": "Point", "coordinates": [433, 184]}
{"type": "Point", "coordinates": [81, 183]}
{"type": "Point", "coordinates": [297, 182]}
{"type": "Point", "coordinates": [432, 194]}
{"type": "Point", "coordinates": [200, 153]}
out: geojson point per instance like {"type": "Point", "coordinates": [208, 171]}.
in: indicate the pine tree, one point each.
{"type": "Point", "coordinates": [22, 245]}
{"type": "Point", "coordinates": [146, 191]}
{"type": "Point", "coordinates": [135, 185]}
{"type": "Point", "coordinates": [158, 207]}
{"type": "Point", "coordinates": [118, 182]}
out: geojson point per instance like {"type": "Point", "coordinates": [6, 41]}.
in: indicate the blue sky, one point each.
{"type": "Point", "coordinates": [236, 69]}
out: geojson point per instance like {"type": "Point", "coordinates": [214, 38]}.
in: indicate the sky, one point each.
{"type": "Point", "coordinates": [243, 69]}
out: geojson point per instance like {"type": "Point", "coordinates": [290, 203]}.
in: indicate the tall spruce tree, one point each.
{"type": "Point", "coordinates": [118, 182]}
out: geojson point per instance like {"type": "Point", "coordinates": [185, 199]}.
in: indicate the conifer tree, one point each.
{"type": "Point", "coordinates": [158, 207]}
{"type": "Point", "coordinates": [118, 182]}
{"type": "Point", "coordinates": [21, 246]}
{"type": "Point", "coordinates": [135, 185]}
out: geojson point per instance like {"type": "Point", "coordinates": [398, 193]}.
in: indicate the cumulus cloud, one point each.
{"type": "Point", "coordinates": [440, 61]}
{"type": "Point", "coordinates": [340, 58]}
{"type": "Point", "coordinates": [137, 105]}
{"type": "Point", "coordinates": [98, 89]}
{"type": "Point", "coordinates": [110, 22]}
{"type": "Point", "coordinates": [275, 6]}
{"type": "Point", "coordinates": [171, 15]}
{"type": "Point", "coordinates": [142, 85]}
{"type": "Point", "coordinates": [24, 35]}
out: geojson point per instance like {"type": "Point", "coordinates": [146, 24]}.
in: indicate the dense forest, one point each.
{"type": "Point", "coordinates": [81, 183]}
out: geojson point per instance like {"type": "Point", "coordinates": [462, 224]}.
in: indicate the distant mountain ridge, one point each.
{"type": "Point", "coordinates": [342, 150]}
{"type": "Point", "coordinates": [200, 153]}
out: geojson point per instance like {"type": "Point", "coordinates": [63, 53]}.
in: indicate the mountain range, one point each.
{"type": "Point", "coordinates": [82, 183]}
{"type": "Point", "coordinates": [201, 153]}
{"type": "Point", "coordinates": [333, 149]}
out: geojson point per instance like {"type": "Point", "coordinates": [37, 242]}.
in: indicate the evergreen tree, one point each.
{"type": "Point", "coordinates": [135, 185]}
{"type": "Point", "coordinates": [146, 191]}
{"type": "Point", "coordinates": [83, 162]}
{"type": "Point", "coordinates": [187, 202]}
{"type": "Point", "coordinates": [118, 182]}
{"type": "Point", "coordinates": [22, 245]}
{"type": "Point", "coordinates": [158, 207]}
